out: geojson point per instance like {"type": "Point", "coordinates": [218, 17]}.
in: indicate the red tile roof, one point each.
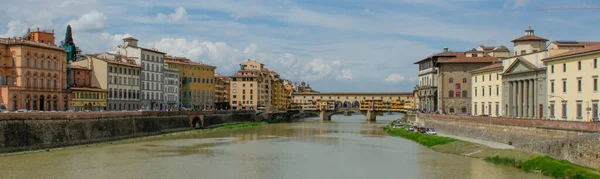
{"type": "Point", "coordinates": [529, 38]}
{"type": "Point", "coordinates": [489, 67]}
{"type": "Point", "coordinates": [595, 48]}
{"type": "Point", "coordinates": [442, 54]}
{"type": "Point", "coordinates": [79, 67]}
{"type": "Point", "coordinates": [188, 63]}
{"type": "Point", "coordinates": [574, 44]}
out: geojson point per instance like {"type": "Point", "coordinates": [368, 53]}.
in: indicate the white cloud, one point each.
{"type": "Point", "coordinates": [15, 28]}
{"type": "Point", "coordinates": [521, 3]}
{"type": "Point", "coordinates": [98, 42]}
{"type": "Point", "coordinates": [91, 21]}
{"type": "Point", "coordinates": [366, 10]}
{"type": "Point", "coordinates": [179, 16]}
{"type": "Point", "coordinates": [395, 78]}
{"type": "Point", "coordinates": [346, 74]}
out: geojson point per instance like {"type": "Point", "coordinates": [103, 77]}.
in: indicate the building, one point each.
{"type": "Point", "coordinates": [222, 90]}
{"type": "Point", "coordinates": [247, 87]}
{"type": "Point", "coordinates": [119, 76]}
{"type": "Point", "coordinates": [427, 88]}
{"type": "Point", "coordinates": [278, 96]}
{"type": "Point", "coordinates": [524, 79]}
{"type": "Point", "coordinates": [570, 45]}
{"type": "Point", "coordinates": [33, 74]}
{"type": "Point", "coordinates": [573, 84]}
{"type": "Point", "coordinates": [85, 96]}
{"type": "Point", "coordinates": [350, 99]}
{"type": "Point", "coordinates": [487, 91]}
{"type": "Point", "coordinates": [152, 73]}
{"type": "Point", "coordinates": [171, 91]}
{"type": "Point", "coordinates": [197, 83]}
{"type": "Point", "coordinates": [454, 85]}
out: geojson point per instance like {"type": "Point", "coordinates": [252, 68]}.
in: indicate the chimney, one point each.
{"type": "Point", "coordinates": [28, 29]}
{"type": "Point", "coordinates": [445, 49]}
{"type": "Point", "coordinates": [52, 30]}
{"type": "Point", "coordinates": [38, 28]}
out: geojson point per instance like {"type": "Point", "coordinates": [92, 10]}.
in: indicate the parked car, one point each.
{"type": "Point", "coordinates": [422, 130]}
{"type": "Point", "coordinates": [398, 126]}
{"type": "Point", "coordinates": [431, 131]}
{"type": "Point", "coordinates": [411, 128]}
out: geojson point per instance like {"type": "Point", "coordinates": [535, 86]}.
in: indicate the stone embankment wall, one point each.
{"type": "Point", "coordinates": [32, 131]}
{"type": "Point", "coordinates": [577, 142]}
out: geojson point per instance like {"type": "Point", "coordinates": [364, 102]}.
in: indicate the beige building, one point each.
{"type": "Point", "coordinates": [119, 76]}
{"type": "Point", "coordinates": [573, 84]}
{"type": "Point", "coordinates": [248, 88]}
{"type": "Point", "coordinates": [487, 90]}
{"type": "Point", "coordinates": [222, 90]}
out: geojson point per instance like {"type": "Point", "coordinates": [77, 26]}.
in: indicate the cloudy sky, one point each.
{"type": "Point", "coordinates": [334, 45]}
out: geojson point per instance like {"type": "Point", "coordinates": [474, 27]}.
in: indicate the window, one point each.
{"type": "Point", "coordinates": [497, 76]}
{"type": "Point", "coordinates": [579, 110]}
{"type": "Point", "coordinates": [579, 65]}
{"type": "Point", "coordinates": [490, 90]}
{"type": "Point", "coordinates": [595, 84]}
{"type": "Point", "coordinates": [564, 67]}
{"type": "Point", "coordinates": [490, 77]}
{"type": "Point", "coordinates": [595, 110]}
{"type": "Point", "coordinates": [451, 110]}
{"type": "Point", "coordinates": [482, 91]}
{"type": "Point", "coordinates": [497, 109]}
{"type": "Point", "coordinates": [551, 86]}
{"type": "Point", "coordinates": [464, 94]}
{"type": "Point", "coordinates": [551, 109]}
{"type": "Point", "coordinates": [596, 63]}
{"type": "Point", "coordinates": [451, 80]}
{"type": "Point", "coordinates": [564, 85]}
{"type": "Point", "coordinates": [482, 78]}
{"type": "Point", "coordinates": [497, 90]}
{"type": "Point", "coordinates": [464, 80]}
{"type": "Point", "coordinates": [564, 110]}
{"type": "Point", "coordinates": [464, 110]}
{"type": "Point", "coordinates": [475, 108]}
{"type": "Point", "coordinates": [475, 78]}
{"type": "Point", "coordinates": [450, 93]}
{"type": "Point", "coordinates": [579, 84]}
{"type": "Point", "coordinates": [523, 52]}
{"type": "Point", "coordinates": [474, 55]}
{"type": "Point", "coordinates": [552, 69]}
{"type": "Point", "coordinates": [475, 92]}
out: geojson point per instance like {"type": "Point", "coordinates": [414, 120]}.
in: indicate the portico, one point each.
{"type": "Point", "coordinates": [524, 90]}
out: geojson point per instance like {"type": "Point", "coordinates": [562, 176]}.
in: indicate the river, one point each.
{"type": "Point", "coordinates": [347, 147]}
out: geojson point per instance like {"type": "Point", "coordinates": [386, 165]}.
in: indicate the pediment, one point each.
{"type": "Point", "coordinates": [520, 65]}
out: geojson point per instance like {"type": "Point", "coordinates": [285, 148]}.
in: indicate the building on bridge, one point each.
{"type": "Point", "coordinates": [350, 99]}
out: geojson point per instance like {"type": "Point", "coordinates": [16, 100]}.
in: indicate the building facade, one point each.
{"type": "Point", "coordinates": [33, 74]}
{"type": "Point", "coordinates": [427, 87]}
{"type": "Point", "coordinates": [86, 97]}
{"type": "Point", "coordinates": [171, 91]}
{"type": "Point", "coordinates": [119, 76]}
{"type": "Point", "coordinates": [573, 84]}
{"type": "Point", "coordinates": [222, 90]}
{"type": "Point", "coordinates": [152, 73]}
{"type": "Point", "coordinates": [454, 85]}
{"type": "Point", "coordinates": [487, 91]}
{"type": "Point", "coordinates": [197, 83]}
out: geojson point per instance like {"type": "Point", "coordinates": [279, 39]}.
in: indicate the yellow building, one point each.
{"type": "Point", "coordinates": [197, 82]}
{"type": "Point", "coordinates": [88, 98]}
{"type": "Point", "coordinates": [486, 87]}
{"type": "Point", "coordinates": [573, 84]}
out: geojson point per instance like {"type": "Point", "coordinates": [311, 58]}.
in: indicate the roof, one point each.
{"type": "Point", "coordinates": [574, 43]}
{"type": "Point", "coordinates": [355, 93]}
{"type": "Point", "coordinates": [188, 63]}
{"type": "Point", "coordinates": [529, 38]}
{"type": "Point", "coordinates": [595, 48]}
{"type": "Point", "coordinates": [114, 61]}
{"type": "Point", "coordinates": [130, 38]}
{"type": "Point", "coordinates": [495, 66]}
{"type": "Point", "coordinates": [79, 67]}
{"type": "Point", "coordinates": [21, 41]}
{"type": "Point", "coordinates": [462, 58]}
{"type": "Point", "coordinates": [442, 54]}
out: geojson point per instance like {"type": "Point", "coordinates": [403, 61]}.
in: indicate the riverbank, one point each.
{"type": "Point", "coordinates": [228, 126]}
{"type": "Point", "coordinates": [526, 161]}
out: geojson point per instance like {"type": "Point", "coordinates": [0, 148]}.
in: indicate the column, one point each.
{"type": "Point", "coordinates": [533, 103]}
{"type": "Point", "coordinates": [526, 99]}
{"type": "Point", "coordinates": [519, 98]}
{"type": "Point", "coordinates": [513, 103]}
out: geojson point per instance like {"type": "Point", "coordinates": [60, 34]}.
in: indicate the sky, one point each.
{"type": "Point", "coordinates": [333, 45]}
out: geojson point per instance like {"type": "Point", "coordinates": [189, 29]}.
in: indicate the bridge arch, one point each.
{"type": "Point", "coordinates": [338, 104]}
{"type": "Point", "coordinates": [347, 104]}
{"type": "Point", "coordinates": [196, 122]}
{"type": "Point", "coordinates": [355, 104]}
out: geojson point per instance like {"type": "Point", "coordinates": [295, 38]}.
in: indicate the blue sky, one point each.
{"type": "Point", "coordinates": [334, 45]}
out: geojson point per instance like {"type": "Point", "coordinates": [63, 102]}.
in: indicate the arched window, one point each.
{"type": "Point", "coordinates": [42, 63]}
{"type": "Point", "coordinates": [464, 110]}
{"type": "Point", "coordinates": [464, 80]}
{"type": "Point", "coordinates": [464, 93]}
{"type": "Point", "coordinates": [451, 110]}
{"type": "Point", "coordinates": [451, 93]}
{"type": "Point", "coordinates": [451, 80]}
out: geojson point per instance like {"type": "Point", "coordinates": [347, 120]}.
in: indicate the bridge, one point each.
{"type": "Point", "coordinates": [370, 104]}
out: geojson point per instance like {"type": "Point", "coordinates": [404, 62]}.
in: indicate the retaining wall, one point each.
{"type": "Point", "coordinates": [577, 142]}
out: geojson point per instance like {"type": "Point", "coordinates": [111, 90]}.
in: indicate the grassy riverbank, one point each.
{"type": "Point", "coordinates": [528, 162]}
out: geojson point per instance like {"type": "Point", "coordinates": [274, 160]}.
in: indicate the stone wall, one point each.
{"type": "Point", "coordinates": [576, 142]}
{"type": "Point", "coordinates": [20, 132]}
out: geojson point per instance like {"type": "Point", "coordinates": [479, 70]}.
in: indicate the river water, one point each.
{"type": "Point", "coordinates": [347, 148]}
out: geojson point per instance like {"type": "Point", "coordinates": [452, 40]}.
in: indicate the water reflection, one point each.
{"type": "Point", "coordinates": [346, 147]}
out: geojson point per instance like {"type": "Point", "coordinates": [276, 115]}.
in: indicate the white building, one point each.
{"type": "Point", "coordinates": [151, 60]}
{"type": "Point", "coordinates": [171, 91]}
